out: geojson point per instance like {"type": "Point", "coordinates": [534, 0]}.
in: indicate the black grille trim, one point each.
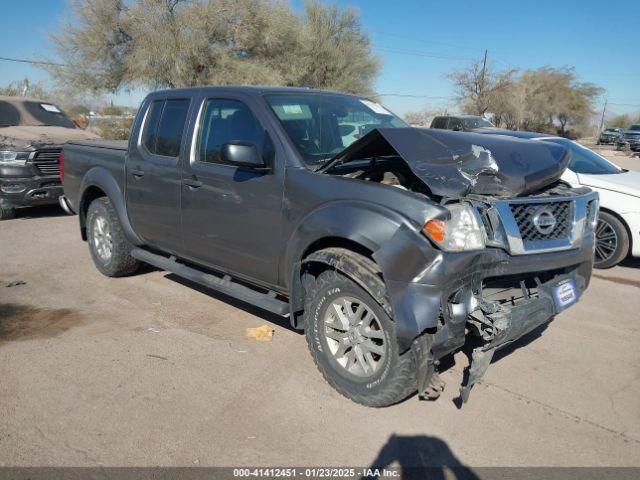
{"type": "Point", "coordinates": [524, 214]}
{"type": "Point", "coordinates": [47, 161]}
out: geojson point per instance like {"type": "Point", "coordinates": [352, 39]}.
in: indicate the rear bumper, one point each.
{"type": "Point", "coordinates": [26, 192]}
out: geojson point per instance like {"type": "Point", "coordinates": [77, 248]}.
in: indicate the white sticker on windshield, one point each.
{"type": "Point", "coordinates": [376, 107]}
{"type": "Point", "coordinates": [292, 109]}
{"type": "Point", "coordinates": [50, 108]}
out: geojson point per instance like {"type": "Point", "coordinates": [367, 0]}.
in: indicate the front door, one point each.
{"type": "Point", "coordinates": [153, 177]}
{"type": "Point", "coordinates": [232, 215]}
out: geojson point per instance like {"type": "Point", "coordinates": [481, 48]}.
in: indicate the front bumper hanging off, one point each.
{"type": "Point", "coordinates": [500, 324]}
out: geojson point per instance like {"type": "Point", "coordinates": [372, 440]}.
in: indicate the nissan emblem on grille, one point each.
{"type": "Point", "coordinates": [544, 220]}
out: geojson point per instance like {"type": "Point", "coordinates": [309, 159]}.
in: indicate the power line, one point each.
{"type": "Point", "coordinates": [35, 62]}
{"type": "Point", "coordinates": [417, 53]}
{"type": "Point", "coordinates": [428, 42]}
{"type": "Point", "coordinates": [410, 95]}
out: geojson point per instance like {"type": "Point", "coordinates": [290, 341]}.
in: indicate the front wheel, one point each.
{"type": "Point", "coordinates": [353, 343]}
{"type": "Point", "coordinates": [110, 250]}
{"type": "Point", "coordinates": [612, 241]}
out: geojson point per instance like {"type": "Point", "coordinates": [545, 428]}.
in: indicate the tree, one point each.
{"type": "Point", "coordinates": [479, 86]}
{"type": "Point", "coordinates": [118, 44]}
{"type": "Point", "coordinates": [547, 100]}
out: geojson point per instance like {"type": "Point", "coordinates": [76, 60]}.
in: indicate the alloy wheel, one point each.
{"type": "Point", "coordinates": [354, 336]}
{"type": "Point", "coordinates": [102, 238]}
{"type": "Point", "coordinates": [606, 241]}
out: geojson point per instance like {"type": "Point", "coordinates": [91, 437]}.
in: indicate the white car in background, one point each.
{"type": "Point", "coordinates": [618, 230]}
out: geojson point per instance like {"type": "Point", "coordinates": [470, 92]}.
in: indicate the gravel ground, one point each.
{"type": "Point", "coordinates": [151, 370]}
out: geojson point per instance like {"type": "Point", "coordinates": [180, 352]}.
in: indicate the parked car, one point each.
{"type": "Point", "coordinates": [610, 136]}
{"type": "Point", "coordinates": [31, 135]}
{"type": "Point", "coordinates": [631, 138]}
{"type": "Point", "coordinates": [460, 123]}
{"type": "Point", "coordinates": [618, 230]}
{"type": "Point", "coordinates": [389, 250]}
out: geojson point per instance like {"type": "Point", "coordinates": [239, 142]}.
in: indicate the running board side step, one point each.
{"type": "Point", "coordinates": [223, 284]}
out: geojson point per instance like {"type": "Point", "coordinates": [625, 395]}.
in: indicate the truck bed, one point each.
{"type": "Point", "coordinates": [102, 157]}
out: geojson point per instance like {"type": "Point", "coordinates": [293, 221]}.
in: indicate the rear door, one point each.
{"type": "Point", "coordinates": [153, 176]}
{"type": "Point", "coordinates": [231, 215]}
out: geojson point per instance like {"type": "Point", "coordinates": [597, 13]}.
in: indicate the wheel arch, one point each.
{"type": "Point", "coordinates": [624, 224]}
{"type": "Point", "coordinates": [342, 236]}
{"type": "Point", "coordinates": [99, 182]}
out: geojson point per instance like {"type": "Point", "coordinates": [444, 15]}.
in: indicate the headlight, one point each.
{"type": "Point", "coordinates": [461, 232]}
{"type": "Point", "coordinates": [9, 157]}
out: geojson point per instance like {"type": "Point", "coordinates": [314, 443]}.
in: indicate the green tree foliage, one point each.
{"type": "Point", "coordinates": [623, 121]}
{"type": "Point", "coordinates": [116, 44]}
{"type": "Point", "coordinates": [548, 100]}
{"type": "Point", "coordinates": [478, 87]}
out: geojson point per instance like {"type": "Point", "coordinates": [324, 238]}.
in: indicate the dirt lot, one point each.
{"type": "Point", "coordinates": [150, 370]}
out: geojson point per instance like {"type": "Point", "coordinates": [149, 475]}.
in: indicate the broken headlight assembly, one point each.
{"type": "Point", "coordinates": [11, 158]}
{"type": "Point", "coordinates": [462, 232]}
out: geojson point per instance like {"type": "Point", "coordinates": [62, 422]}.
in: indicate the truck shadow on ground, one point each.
{"type": "Point", "coordinates": [24, 322]}
{"type": "Point", "coordinates": [42, 211]}
{"type": "Point", "coordinates": [420, 456]}
{"type": "Point", "coordinates": [246, 307]}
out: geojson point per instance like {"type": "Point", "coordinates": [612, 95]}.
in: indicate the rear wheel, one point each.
{"type": "Point", "coordinates": [612, 241]}
{"type": "Point", "coordinates": [7, 213]}
{"type": "Point", "coordinates": [353, 343]}
{"type": "Point", "coordinates": [110, 250]}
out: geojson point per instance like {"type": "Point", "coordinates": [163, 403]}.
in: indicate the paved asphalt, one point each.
{"type": "Point", "coordinates": [151, 370]}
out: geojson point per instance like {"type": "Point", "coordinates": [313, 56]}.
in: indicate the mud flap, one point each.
{"type": "Point", "coordinates": [480, 360]}
{"type": "Point", "coordinates": [430, 386]}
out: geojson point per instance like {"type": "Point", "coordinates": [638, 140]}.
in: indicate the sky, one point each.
{"type": "Point", "coordinates": [419, 41]}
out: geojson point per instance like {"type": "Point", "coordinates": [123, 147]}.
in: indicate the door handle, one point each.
{"type": "Point", "coordinates": [193, 183]}
{"type": "Point", "coordinates": [137, 173]}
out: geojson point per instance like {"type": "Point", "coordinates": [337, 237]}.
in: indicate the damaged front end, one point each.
{"type": "Point", "coordinates": [446, 281]}
{"type": "Point", "coordinates": [520, 280]}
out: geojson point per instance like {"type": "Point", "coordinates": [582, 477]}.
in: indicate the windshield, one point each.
{"type": "Point", "coordinates": [320, 125]}
{"type": "Point", "coordinates": [585, 161]}
{"type": "Point", "coordinates": [21, 112]}
{"type": "Point", "coordinates": [476, 122]}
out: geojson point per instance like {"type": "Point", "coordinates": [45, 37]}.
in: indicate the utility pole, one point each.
{"type": "Point", "coordinates": [484, 66]}
{"type": "Point", "coordinates": [484, 70]}
{"type": "Point", "coordinates": [604, 109]}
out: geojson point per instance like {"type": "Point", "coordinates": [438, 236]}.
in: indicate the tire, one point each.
{"type": "Point", "coordinates": [612, 241]}
{"type": "Point", "coordinates": [110, 250]}
{"type": "Point", "coordinates": [7, 213]}
{"type": "Point", "coordinates": [394, 377]}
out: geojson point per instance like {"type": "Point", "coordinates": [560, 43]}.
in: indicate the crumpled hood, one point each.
{"type": "Point", "coordinates": [626, 182]}
{"type": "Point", "coordinates": [456, 164]}
{"type": "Point", "coordinates": [31, 137]}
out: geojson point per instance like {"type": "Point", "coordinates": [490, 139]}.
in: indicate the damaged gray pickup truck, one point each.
{"type": "Point", "coordinates": [390, 246]}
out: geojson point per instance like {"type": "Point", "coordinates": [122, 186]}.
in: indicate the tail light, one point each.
{"type": "Point", "coordinates": [61, 163]}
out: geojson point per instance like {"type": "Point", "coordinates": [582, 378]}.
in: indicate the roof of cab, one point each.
{"type": "Point", "coordinates": [257, 89]}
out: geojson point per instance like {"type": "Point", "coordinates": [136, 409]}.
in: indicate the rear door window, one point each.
{"type": "Point", "coordinates": [164, 127]}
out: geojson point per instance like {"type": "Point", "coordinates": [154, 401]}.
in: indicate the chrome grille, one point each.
{"type": "Point", "coordinates": [47, 161]}
{"type": "Point", "coordinates": [525, 213]}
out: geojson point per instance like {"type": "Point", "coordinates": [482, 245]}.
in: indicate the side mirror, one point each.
{"type": "Point", "coordinates": [243, 154]}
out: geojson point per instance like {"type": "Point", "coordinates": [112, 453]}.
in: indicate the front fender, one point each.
{"type": "Point", "coordinates": [366, 224]}
{"type": "Point", "coordinates": [100, 177]}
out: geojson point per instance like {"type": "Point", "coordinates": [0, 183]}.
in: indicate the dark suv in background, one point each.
{"type": "Point", "coordinates": [610, 135]}
{"type": "Point", "coordinates": [461, 123]}
{"type": "Point", "coordinates": [631, 137]}
{"type": "Point", "coordinates": [31, 136]}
